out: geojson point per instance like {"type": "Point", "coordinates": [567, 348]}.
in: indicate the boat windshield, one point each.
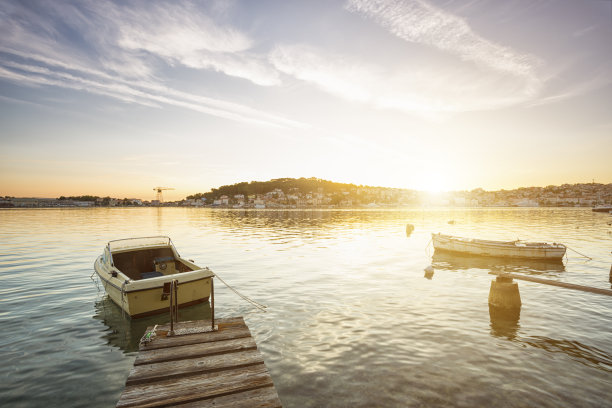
{"type": "Point", "coordinates": [133, 243]}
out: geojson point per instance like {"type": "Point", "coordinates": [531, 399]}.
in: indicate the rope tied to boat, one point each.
{"type": "Point", "coordinates": [427, 251]}
{"type": "Point", "coordinates": [251, 301]}
{"type": "Point", "coordinates": [581, 254]}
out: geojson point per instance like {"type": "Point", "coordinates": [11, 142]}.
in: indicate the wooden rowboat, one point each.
{"type": "Point", "coordinates": [510, 249]}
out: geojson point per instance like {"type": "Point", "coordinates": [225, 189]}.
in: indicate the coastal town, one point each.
{"type": "Point", "coordinates": [317, 193]}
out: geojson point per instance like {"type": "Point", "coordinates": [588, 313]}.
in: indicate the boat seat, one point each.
{"type": "Point", "coordinates": [147, 275]}
{"type": "Point", "coordinates": [165, 265]}
{"type": "Point", "coordinates": [163, 259]}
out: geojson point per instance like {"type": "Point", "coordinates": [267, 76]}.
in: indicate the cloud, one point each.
{"type": "Point", "coordinates": [111, 50]}
{"type": "Point", "coordinates": [182, 35]}
{"type": "Point", "coordinates": [426, 89]}
{"type": "Point", "coordinates": [330, 72]}
{"type": "Point", "coordinates": [139, 92]}
{"type": "Point", "coordinates": [484, 76]}
{"type": "Point", "coordinates": [419, 22]}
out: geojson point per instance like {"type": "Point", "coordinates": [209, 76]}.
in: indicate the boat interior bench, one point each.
{"type": "Point", "coordinates": [148, 263]}
{"type": "Point", "coordinates": [147, 275]}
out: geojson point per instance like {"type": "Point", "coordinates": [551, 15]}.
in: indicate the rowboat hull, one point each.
{"type": "Point", "coordinates": [604, 209]}
{"type": "Point", "coordinates": [511, 249]}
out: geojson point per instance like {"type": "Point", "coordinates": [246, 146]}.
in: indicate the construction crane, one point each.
{"type": "Point", "coordinates": [158, 193]}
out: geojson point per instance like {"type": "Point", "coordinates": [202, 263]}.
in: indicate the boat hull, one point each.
{"type": "Point", "coordinates": [144, 298]}
{"type": "Point", "coordinates": [446, 243]}
{"type": "Point", "coordinates": [602, 209]}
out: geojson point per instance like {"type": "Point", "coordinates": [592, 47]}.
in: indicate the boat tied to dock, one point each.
{"type": "Point", "coordinates": [137, 274]}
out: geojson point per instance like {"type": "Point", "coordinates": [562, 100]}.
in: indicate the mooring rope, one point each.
{"type": "Point", "coordinates": [586, 256]}
{"type": "Point", "coordinates": [427, 247]}
{"type": "Point", "coordinates": [148, 337]}
{"type": "Point", "coordinates": [251, 301]}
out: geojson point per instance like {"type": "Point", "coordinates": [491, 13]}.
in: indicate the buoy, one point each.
{"type": "Point", "coordinates": [429, 272]}
{"type": "Point", "coordinates": [451, 222]}
{"type": "Point", "coordinates": [409, 229]}
{"type": "Point", "coordinates": [504, 293]}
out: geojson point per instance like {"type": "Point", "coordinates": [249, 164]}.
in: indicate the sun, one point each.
{"type": "Point", "coordinates": [435, 182]}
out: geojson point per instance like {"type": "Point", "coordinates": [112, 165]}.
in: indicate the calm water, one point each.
{"type": "Point", "coordinates": [351, 321]}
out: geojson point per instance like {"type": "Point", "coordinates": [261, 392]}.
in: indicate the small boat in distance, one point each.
{"type": "Point", "coordinates": [603, 208]}
{"type": "Point", "coordinates": [510, 249]}
{"type": "Point", "coordinates": [136, 274]}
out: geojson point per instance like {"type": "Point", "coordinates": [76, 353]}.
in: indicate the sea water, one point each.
{"type": "Point", "coordinates": [351, 319]}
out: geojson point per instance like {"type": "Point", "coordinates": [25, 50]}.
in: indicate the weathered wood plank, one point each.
{"type": "Point", "coordinates": [265, 397]}
{"type": "Point", "coordinates": [194, 350]}
{"type": "Point", "coordinates": [232, 332]}
{"type": "Point", "coordinates": [194, 388]}
{"type": "Point", "coordinates": [172, 369]}
{"type": "Point", "coordinates": [218, 369]}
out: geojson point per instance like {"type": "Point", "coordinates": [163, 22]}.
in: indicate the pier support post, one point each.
{"type": "Point", "coordinates": [610, 273]}
{"type": "Point", "coordinates": [504, 293]}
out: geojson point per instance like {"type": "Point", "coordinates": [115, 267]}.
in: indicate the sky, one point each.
{"type": "Point", "coordinates": [116, 98]}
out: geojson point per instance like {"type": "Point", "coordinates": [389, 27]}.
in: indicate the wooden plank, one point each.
{"type": "Point", "coordinates": [600, 291]}
{"type": "Point", "coordinates": [220, 369]}
{"type": "Point", "coordinates": [232, 332]}
{"type": "Point", "coordinates": [265, 397]}
{"type": "Point", "coordinates": [173, 369]}
{"type": "Point", "coordinates": [194, 388]}
{"type": "Point", "coordinates": [195, 350]}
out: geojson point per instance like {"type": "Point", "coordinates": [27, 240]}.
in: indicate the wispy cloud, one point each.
{"type": "Point", "coordinates": [427, 89]}
{"type": "Point", "coordinates": [141, 92]}
{"type": "Point", "coordinates": [183, 35]}
{"type": "Point", "coordinates": [485, 75]}
{"type": "Point", "coordinates": [420, 22]}
{"type": "Point", "coordinates": [46, 48]}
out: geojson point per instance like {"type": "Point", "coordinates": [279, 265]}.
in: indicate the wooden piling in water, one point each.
{"type": "Point", "coordinates": [201, 368]}
{"type": "Point", "coordinates": [504, 293]}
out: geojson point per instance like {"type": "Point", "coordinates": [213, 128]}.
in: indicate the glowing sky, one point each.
{"type": "Point", "coordinates": [114, 99]}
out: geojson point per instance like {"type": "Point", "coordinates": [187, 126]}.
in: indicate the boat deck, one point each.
{"type": "Point", "coordinates": [207, 369]}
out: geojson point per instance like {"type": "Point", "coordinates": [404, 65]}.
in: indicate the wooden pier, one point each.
{"type": "Point", "coordinates": [551, 282]}
{"type": "Point", "coordinates": [220, 369]}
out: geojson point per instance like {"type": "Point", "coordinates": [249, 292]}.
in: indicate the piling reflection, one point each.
{"type": "Point", "coordinates": [449, 261]}
{"type": "Point", "coordinates": [125, 333]}
{"type": "Point", "coordinates": [504, 321]}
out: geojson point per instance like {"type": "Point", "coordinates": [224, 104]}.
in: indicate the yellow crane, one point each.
{"type": "Point", "coordinates": [158, 193]}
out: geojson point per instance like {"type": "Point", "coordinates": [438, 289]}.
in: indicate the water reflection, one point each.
{"type": "Point", "coordinates": [504, 322]}
{"type": "Point", "coordinates": [589, 356]}
{"type": "Point", "coordinates": [454, 262]}
{"type": "Point", "coordinates": [288, 221]}
{"type": "Point", "coordinates": [125, 333]}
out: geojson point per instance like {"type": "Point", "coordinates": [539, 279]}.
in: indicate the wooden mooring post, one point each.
{"type": "Point", "coordinates": [200, 367]}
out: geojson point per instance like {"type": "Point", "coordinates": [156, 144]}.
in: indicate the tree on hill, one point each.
{"type": "Point", "coordinates": [79, 198]}
{"type": "Point", "coordinates": [286, 185]}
